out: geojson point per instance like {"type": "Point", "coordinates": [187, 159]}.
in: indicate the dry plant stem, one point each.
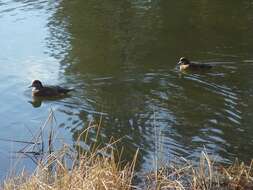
{"type": "Point", "coordinates": [72, 169]}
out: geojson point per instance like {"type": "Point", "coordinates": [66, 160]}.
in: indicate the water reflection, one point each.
{"type": "Point", "coordinates": [37, 101]}
{"type": "Point", "coordinates": [121, 57]}
{"type": "Point", "coordinates": [125, 52]}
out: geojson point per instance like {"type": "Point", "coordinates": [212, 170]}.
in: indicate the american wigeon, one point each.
{"type": "Point", "coordinates": [185, 64]}
{"type": "Point", "coordinates": [48, 91]}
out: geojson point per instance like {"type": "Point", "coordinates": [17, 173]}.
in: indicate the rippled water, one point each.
{"type": "Point", "coordinates": [121, 57]}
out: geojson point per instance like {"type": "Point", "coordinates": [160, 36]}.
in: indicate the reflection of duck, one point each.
{"type": "Point", "coordinates": [36, 101]}
{"type": "Point", "coordinates": [185, 64]}
{"type": "Point", "coordinates": [48, 91]}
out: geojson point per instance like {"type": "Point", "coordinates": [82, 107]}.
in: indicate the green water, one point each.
{"type": "Point", "coordinates": [121, 57]}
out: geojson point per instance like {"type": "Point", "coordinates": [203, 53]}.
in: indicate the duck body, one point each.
{"type": "Point", "coordinates": [47, 91]}
{"type": "Point", "coordinates": [185, 64]}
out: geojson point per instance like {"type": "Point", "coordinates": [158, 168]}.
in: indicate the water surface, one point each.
{"type": "Point", "coordinates": [121, 57]}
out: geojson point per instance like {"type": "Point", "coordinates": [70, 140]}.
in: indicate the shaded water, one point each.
{"type": "Point", "coordinates": [121, 57]}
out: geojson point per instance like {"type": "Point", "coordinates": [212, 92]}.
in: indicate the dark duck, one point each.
{"type": "Point", "coordinates": [185, 64]}
{"type": "Point", "coordinates": [40, 90]}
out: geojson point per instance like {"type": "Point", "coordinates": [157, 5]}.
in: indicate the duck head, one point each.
{"type": "Point", "coordinates": [183, 61]}
{"type": "Point", "coordinates": [36, 84]}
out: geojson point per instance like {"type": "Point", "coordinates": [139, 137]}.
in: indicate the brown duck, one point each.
{"type": "Point", "coordinates": [48, 91]}
{"type": "Point", "coordinates": [185, 64]}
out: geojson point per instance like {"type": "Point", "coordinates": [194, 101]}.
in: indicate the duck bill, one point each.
{"type": "Point", "coordinates": [30, 86]}
{"type": "Point", "coordinates": [179, 63]}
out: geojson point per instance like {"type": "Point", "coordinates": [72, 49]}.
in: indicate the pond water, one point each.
{"type": "Point", "coordinates": [121, 57]}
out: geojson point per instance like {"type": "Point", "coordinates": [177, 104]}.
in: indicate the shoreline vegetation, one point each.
{"type": "Point", "coordinates": [102, 168]}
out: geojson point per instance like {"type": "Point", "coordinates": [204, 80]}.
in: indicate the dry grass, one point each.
{"type": "Point", "coordinates": [98, 172]}
{"type": "Point", "coordinates": [97, 168]}
{"type": "Point", "coordinates": [205, 176]}
{"type": "Point", "coordinates": [88, 173]}
{"type": "Point", "coordinates": [69, 168]}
